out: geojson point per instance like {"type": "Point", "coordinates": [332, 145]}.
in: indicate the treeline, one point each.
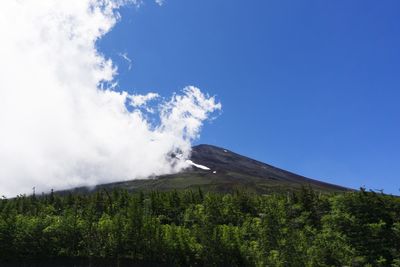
{"type": "Point", "coordinates": [192, 228]}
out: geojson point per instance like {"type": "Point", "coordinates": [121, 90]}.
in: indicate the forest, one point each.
{"type": "Point", "coordinates": [195, 228]}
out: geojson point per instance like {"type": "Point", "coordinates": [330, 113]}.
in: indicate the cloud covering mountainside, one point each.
{"type": "Point", "coordinates": [63, 123]}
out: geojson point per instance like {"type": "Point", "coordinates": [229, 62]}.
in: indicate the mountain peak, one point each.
{"type": "Point", "coordinates": [235, 166]}
{"type": "Point", "coordinates": [218, 169]}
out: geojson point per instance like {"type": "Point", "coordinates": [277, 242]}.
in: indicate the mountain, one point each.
{"type": "Point", "coordinates": [218, 169]}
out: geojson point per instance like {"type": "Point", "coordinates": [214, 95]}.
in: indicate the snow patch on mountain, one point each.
{"type": "Point", "coordinates": [197, 165]}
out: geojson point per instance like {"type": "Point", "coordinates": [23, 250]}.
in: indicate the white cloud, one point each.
{"type": "Point", "coordinates": [127, 59]}
{"type": "Point", "coordinates": [58, 129]}
{"type": "Point", "coordinates": [160, 2]}
{"type": "Point", "coordinates": [141, 100]}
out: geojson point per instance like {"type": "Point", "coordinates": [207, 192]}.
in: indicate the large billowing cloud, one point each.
{"type": "Point", "coordinates": [62, 124]}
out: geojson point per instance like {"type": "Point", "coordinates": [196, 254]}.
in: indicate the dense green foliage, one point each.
{"type": "Point", "coordinates": [192, 228]}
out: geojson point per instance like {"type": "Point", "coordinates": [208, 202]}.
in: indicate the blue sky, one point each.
{"type": "Point", "coordinates": [308, 86]}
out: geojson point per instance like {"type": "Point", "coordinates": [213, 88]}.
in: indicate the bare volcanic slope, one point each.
{"type": "Point", "coordinates": [218, 169]}
{"type": "Point", "coordinates": [234, 167]}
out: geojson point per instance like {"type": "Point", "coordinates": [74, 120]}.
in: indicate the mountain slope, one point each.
{"type": "Point", "coordinates": [227, 172]}
{"type": "Point", "coordinates": [235, 166]}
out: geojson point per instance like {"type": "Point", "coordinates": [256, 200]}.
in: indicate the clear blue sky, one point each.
{"type": "Point", "coordinates": [309, 86]}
